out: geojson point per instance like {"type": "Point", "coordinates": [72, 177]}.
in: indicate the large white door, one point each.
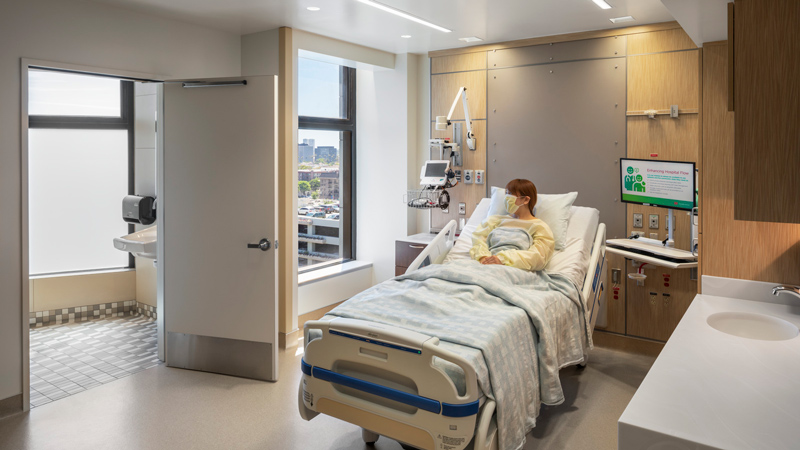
{"type": "Point", "coordinates": [218, 226]}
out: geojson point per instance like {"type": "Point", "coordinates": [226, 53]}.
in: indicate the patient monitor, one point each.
{"type": "Point", "coordinates": [434, 173]}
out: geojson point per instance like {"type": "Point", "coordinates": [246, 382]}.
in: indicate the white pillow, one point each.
{"type": "Point", "coordinates": [498, 205]}
{"type": "Point", "coordinates": [554, 209]}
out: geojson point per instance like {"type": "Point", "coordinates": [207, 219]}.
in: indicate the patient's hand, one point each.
{"type": "Point", "coordinates": [491, 260]}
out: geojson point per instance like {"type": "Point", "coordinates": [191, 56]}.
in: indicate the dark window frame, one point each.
{"type": "Point", "coordinates": [347, 161]}
{"type": "Point", "coordinates": [125, 121]}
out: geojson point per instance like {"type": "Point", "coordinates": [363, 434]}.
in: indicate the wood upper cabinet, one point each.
{"type": "Point", "coordinates": [766, 67]}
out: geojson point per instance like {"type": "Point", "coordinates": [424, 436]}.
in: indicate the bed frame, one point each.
{"type": "Point", "coordinates": [383, 379]}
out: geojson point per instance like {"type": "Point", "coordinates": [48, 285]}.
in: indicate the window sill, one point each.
{"type": "Point", "coordinates": [79, 273]}
{"type": "Point", "coordinates": [330, 272]}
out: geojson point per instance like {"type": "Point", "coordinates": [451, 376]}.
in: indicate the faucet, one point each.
{"type": "Point", "coordinates": [786, 288]}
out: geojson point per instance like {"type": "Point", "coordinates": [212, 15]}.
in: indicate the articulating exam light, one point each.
{"type": "Point", "coordinates": [442, 122]}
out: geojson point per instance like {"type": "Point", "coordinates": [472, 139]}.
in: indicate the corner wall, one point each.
{"type": "Point", "coordinates": [92, 34]}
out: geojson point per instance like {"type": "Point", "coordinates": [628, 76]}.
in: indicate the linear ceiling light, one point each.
{"type": "Point", "coordinates": [602, 4]}
{"type": "Point", "coordinates": [622, 19]}
{"type": "Point", "coordinates": [403, 14]}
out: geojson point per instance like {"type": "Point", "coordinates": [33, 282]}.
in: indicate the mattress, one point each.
{"type": "Point", "coordinates": [572, 261]}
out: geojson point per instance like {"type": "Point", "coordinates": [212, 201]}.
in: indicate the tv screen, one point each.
{"type": "Point", "coordinates": [668, 184]}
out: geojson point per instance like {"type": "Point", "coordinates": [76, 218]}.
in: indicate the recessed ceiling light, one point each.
{"type": "Point", "coordinates": [406, 36]}
{"type": "Point", "coordinates": [404, 15]}
{"type": "Point", "coordinates": [313, 8]}
{"type": "Point", "coordinates": [622, 19]}
{"type": "Point", "coordinates": [470, 39]}
{"type": "Point", "coordinates": [602, 4]}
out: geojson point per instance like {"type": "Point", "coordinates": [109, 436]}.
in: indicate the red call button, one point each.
{"type": "Point", "coordinates": [654, 155]}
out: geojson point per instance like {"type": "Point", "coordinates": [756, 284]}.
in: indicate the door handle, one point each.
{"type": "Point", "coordinates": [263, 245]}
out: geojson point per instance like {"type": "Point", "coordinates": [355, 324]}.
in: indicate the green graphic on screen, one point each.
{"type": "Point", "coordinates": [658, 183]}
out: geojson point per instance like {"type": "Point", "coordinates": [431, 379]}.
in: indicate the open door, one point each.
{"type": "Point", "coordinates": [218, 225]}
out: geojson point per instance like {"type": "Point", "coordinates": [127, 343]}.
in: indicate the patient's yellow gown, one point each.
{"type": "Point", "coordinates": [535, 258]}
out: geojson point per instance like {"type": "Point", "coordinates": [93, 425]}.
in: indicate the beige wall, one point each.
{"type": "Point", "coordinates": [49, 293]}
{"type": "Point", "coordinates": [92, 34]}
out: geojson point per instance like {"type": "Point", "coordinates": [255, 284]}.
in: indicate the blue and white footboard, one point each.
{"type": "Point", "coordinates": [383, 379]}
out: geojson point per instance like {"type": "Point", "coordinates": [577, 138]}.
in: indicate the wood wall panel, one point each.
{"type": "Point", "coordinates": [758, 251]}
{"type": "Point", "coordinates": [445, 87]}
{"type": "Point", "coordinates": [767, 103]}
{"type": "Point", "coordinates": [593, 34]}
{"type": "Point", "coordinates": [458, 63]}
{"type": "Point", "coordinates": [659, 80]}
{"type": "Point", "coordinates": [659, 41]}
{"type": "Point", "coordinates": [657, 319]}
{"type": "Point", "coordinates": [471, 194]}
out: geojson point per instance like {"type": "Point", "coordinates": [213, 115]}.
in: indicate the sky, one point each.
{"type": "Point", "coordinates": [318, 95]}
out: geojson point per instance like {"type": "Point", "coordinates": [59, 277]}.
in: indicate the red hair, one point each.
{"type": "Point", "coordinates": [523, 188]}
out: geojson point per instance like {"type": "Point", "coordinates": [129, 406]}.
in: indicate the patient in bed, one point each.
{"type": "Point", "coordinates": [518, 240]}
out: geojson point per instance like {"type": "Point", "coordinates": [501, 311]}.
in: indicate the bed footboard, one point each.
{"type": "Point", "coordinates": [383, 378]}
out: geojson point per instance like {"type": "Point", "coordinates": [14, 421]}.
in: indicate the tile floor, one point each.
{"type": "Point", "coordinates": [71, 358]}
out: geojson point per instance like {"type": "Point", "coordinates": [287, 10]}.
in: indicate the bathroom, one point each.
{"type": "Point", "coordinates": [93, 306]}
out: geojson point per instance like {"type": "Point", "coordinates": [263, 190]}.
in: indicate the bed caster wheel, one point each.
{"type": "Point", "coordinates": [369, 437]}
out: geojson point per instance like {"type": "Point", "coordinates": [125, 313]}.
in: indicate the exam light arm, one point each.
{"type": "Point", "coordinates": [462, 92]}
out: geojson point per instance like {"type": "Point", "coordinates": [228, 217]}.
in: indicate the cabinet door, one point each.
{"type": "Point", "coordinates": [406, 252]}
{"type": "Point", "coordinates": [767, 105]}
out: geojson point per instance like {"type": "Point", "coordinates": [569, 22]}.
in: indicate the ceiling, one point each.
{"type": "Point", "coordinates": [349, 20]}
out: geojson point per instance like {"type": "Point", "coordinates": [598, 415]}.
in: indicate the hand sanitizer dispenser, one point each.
{"type": "Point", "coordinates": [136, 209]}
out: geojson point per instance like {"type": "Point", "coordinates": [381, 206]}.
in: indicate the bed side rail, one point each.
{"type": "Point", "coordinates": [594, 284]}
{"type": "Point", "coordinates": [435, 252]}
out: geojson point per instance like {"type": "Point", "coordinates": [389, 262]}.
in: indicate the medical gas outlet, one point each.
{"type": "Point", "coordinates": [478, 177]}
{"type": "Point", "coordinates": [467, 177]}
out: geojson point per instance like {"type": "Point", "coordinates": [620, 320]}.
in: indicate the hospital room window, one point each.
{"type": "Point", "coordinates": [80, 167]}
{"type": "Point", "coordinates": [326, 167]}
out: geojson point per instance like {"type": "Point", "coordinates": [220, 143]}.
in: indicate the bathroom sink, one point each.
{"type": "Point", "coordinates": [753, 326]}
{"type": "Point", "coordinates": [141, 243]}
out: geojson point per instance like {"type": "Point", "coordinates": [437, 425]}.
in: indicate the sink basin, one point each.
{"type": "Point", "coordinates": [753, 326]}
{"type": "Point", "coordinates": [141, 243]}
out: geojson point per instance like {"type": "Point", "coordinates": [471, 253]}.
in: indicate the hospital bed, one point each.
{"type": "Point", "coordinates": [398, 383]}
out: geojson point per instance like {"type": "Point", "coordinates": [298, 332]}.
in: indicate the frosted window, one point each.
{"type": "Point", "coordinates": [319, 89]}
{"type": "Point", "coordinates": [64, 94]}
{"type": "Point", "coordinates": [77, 179]}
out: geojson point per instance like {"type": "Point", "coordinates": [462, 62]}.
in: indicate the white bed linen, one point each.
{"type": "Point", "coordinates": [572, 261]}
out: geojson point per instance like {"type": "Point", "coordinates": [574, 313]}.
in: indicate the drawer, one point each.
{"type": "Point", "coordinates": [406, 252]}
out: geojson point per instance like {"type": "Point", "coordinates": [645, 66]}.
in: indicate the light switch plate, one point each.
{"type": "Point", "coordinates": [653, 221]}
{"type": "Point", "coordinates": [637, 220]}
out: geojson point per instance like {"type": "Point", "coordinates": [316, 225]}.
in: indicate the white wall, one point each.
{"type": "Point", "coordinates": [84, 33]}
{"type": "Point", "coordinates": [260, 53]}
{"type": "Point", "coordinates": [385, 140]}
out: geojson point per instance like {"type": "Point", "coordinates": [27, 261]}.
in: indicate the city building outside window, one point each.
{"type": "Point", "coordinates": [326, 164]}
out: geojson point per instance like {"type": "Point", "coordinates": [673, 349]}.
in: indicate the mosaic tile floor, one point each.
{"type": "Point", "coordinates": [71, 358]}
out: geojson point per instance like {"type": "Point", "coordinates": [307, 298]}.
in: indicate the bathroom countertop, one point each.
{"type": "Point", "coordinates": [709, 389]}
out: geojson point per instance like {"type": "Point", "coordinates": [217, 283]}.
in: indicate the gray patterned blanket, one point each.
{"type": "Point", "coordinates": [525, 326]}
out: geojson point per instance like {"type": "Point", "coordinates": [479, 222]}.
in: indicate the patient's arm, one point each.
{"type": "Point", "coordinates": [480, 248]}
{"type": "Point", "coordinates": [537, 256]}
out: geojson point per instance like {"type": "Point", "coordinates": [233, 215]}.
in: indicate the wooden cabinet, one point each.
{"type": "Point", "coordinates": [407, 250]}
{"type": "Point", "coordinates": [766, 89]}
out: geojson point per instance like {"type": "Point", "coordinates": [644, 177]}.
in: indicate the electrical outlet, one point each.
{"type": "Point", "coordinates": [653, 221]}
{"type": "Point", "coordinates": [458, 175]}
{"type": "Point", "coordinates": [653, 235]}
{"type": "Point", "coordinates": [637, 220]}
{"type": "Point", "coordinates": [462, 209]}
{"type": "Point", "coordinates": [467, 177]}
{"type": "Point", "coordinates": [616, 274]}
{"type": "Point", "coordinates": [637, 233]}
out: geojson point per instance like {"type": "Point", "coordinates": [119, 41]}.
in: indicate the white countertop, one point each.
{"type": "Point", "coordinates": [709, 389]}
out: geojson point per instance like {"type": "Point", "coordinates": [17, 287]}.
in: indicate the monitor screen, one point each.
{"type": "Point", "coordinates": [436, 170]}
{"type": "Point", "coordinates": [668, 184]}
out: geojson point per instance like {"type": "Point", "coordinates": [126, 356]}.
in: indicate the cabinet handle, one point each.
{"type": "Point", "coordinates": [417, 246]}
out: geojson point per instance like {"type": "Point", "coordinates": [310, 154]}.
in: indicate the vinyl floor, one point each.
{"type": "Point", "coordinates": [71, 358]}
{"type": "Point", "coordinates": [167, 408]}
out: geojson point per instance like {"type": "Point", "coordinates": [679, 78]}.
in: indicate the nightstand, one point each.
{"type": "Point", "coordinates": [407, 249]}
